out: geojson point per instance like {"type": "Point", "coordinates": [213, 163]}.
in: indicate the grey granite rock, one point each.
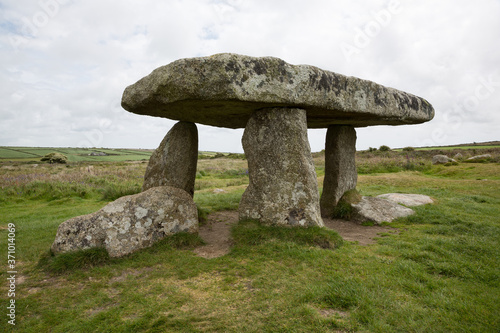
{"type": "Point", "coordinates": [130, 223]}
{"type": "Point", "coordinates": [224, 89]}
{"type": "Point", "coordinates": [283, 189]}
{"type": "Point", "coordinates": [441, 159]}
{"type": "Point", "coordinates": [378, 210]}
{"type": "Point", "coordinates": [173, 163]}
{"type": "Point", "coordinates": [340, 166]}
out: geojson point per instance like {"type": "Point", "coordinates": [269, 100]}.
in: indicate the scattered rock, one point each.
{"type": "Point", "coordinates": [219, 190]}
{"type": "Point", "coordinates": [410, 200]}
{"type": "Point", "coordinates": [441, 159]}
{"type": "Point", "coordinates": [479, 157]}
{"type": "Point", "coordinates": [340, 166]}
{"type": "Point", "coordinates": [378, 210]}
{"type": "Point", "coordinates": [173, 163]}
{"type": "Point", "coordinates": [98, 153]}
{"type": "Point", "coordinates": [130, 223]}
{"type": "Point", "coordinates": [283, 188]}
{"type": "Point", "coordinates": [458, 156]}
{"type": "Point", "coordinates": [225, 89]}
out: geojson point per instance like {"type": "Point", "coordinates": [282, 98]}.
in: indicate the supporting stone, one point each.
{"type": "Point", "coordinates": [173, 163]}
{"type": "Point", "coordinates": [340, 166]}
{"type": "Point", "coordinates": [283, 188]}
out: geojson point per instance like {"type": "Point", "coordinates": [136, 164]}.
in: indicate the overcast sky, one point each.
{"type": "Point", "coordinates": [66, 63]}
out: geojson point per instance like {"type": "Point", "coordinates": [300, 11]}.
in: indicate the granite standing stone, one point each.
{"type": "Point", "coordinates": [283, 188]}
{"type": "Point", "coordinates": [340, 166]}
{"type": "Point", "coordinates": [173, 163]}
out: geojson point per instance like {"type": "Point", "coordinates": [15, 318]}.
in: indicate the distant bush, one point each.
{"type": "Point", "coordinates": [55, 158]}
{"type": "Point", "coordinates": [408, 149]}
{"type": "Point", "coordinates": [218, 155]}
{"type": "Point", "coordinates": [384, 148]}
{"type": "Point", "coordinates": [371, 149]}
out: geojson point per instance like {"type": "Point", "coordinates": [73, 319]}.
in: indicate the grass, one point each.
{"type": "Point", "coordinates": [440, 273]}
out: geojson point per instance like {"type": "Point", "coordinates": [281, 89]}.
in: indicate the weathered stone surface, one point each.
{"type": "Point", "coordinates": [130, 223]}
{"type": "Point", "coordinates": [479, 157]}
{"type": "Point", "coordinates": [340, 166]}
{"type": "Point", "coordinates": [409, 200]}
{"type": "Point", "coordinates": [173, 163]}
{"type": "Point", "coordinates": [283, 189]}
{"type": "Point", "coordinates": [224, 89]}
{"type": "Point", "coordinates": [458, 156]}
{"type": "Point", "coordinates": [378, 210]}
{"type": "Point", "coordinates": [441, 159]}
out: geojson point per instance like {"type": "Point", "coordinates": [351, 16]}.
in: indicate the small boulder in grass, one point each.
{"type": "Point", "coordinates": [479, 158]}
{"type": "Point", "coordinates": [442, 159]}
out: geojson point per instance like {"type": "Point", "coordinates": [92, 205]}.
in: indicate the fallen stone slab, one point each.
{"type": "Point", "coordinates": [378, 210]}
{"type": "Point", "coordinates": [410, 200]}
{"type": "Point", "coordinates": [130, 223]}
{"type": "Point", "coordinates": [225, 89]}
{"type": "Point", "coordinates": [173, 163]}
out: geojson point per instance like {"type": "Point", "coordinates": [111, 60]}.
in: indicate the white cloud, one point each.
{"type": "Point", "coordinates": [66, 66]}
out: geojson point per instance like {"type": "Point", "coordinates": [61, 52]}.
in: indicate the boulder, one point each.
{"type": "Point", "coordinates": [479, 157]}
{"type": "Point", "coordinates": [458, 156]}
{"type": "Point", "coordinates": [378, 210]}
{"type": "Point", "coordinates": [441, 159]}
{"type": "Point", "coordinates": [173, 163]}
{"type": "Point", "coordinates": [225, 89]}
{"type": "Point", "coordinates": [283, 188]}
{"type": "Point", "coordinates": [409, 200]}
{"type": "Point", "coordinates": [130, 223]}
{"type": "Point", "coordinates": [340, 166]}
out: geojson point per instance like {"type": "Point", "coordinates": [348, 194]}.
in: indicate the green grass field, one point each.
{"type": "Point", "coordinates": [439, 273]}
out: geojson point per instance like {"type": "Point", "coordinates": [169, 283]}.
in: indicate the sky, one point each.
{"type": "Point", "coordinates": [65, 63]}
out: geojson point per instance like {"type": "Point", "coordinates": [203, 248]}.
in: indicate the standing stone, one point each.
{"type": "Point", "coordinates": [340, 166]}
{"type": "Point", "coordinates": [173, 163]}
{"type": "Point", "coordinates": [283, 188]}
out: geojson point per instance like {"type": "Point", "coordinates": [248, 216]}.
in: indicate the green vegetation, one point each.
{"type": "Point", "coordinates": [55, 158]}
{"type": "Point", "coordinates": [439, 273]}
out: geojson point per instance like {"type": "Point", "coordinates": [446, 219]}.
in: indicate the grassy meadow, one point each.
{"type": "Point", "coordinates": [439, 273]}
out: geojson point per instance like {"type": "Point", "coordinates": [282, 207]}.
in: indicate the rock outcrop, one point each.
{"type": "Point", "coordinates": [283, 189]}
{"type": "Point", "coordinates": [479, 157]}
{"type": "Point", "coordinates": [340, 166]}
{"type": "Point", "coordinates": [441, 159]}
{"type": "Point", "coordinates": [130, 223]}
{"type": "Point", "coordinates": [173, 163]}
{"type": "Point", "coordinates": [224, 89]}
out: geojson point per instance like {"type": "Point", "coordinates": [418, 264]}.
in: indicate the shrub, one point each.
{"type": "Point", "coordinates": [55, 158]}
{"type": "Point", "coordinates": [408, 149]}
{"type": "Point", "coordinates": [384, 148]}
{"type": "Point", "coordinates": [371, 149]}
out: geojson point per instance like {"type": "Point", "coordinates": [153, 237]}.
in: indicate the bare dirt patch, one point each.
{"type": "Point", "coordinates": [217, 233]}
{"type": "Point", "coordinates": [354, 232]}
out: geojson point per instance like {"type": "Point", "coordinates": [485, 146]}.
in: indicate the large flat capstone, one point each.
{"type": "Point", "coordinates": [224, 89]}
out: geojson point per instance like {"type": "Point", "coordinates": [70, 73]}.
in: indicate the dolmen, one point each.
{"type": "Point", "coordinates": [275, 102]}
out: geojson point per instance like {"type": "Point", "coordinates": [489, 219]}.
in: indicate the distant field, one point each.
{"type": "Point", "coordinates": [458, 147]}
{"type": "Point", "coordinates": [26, 154]}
